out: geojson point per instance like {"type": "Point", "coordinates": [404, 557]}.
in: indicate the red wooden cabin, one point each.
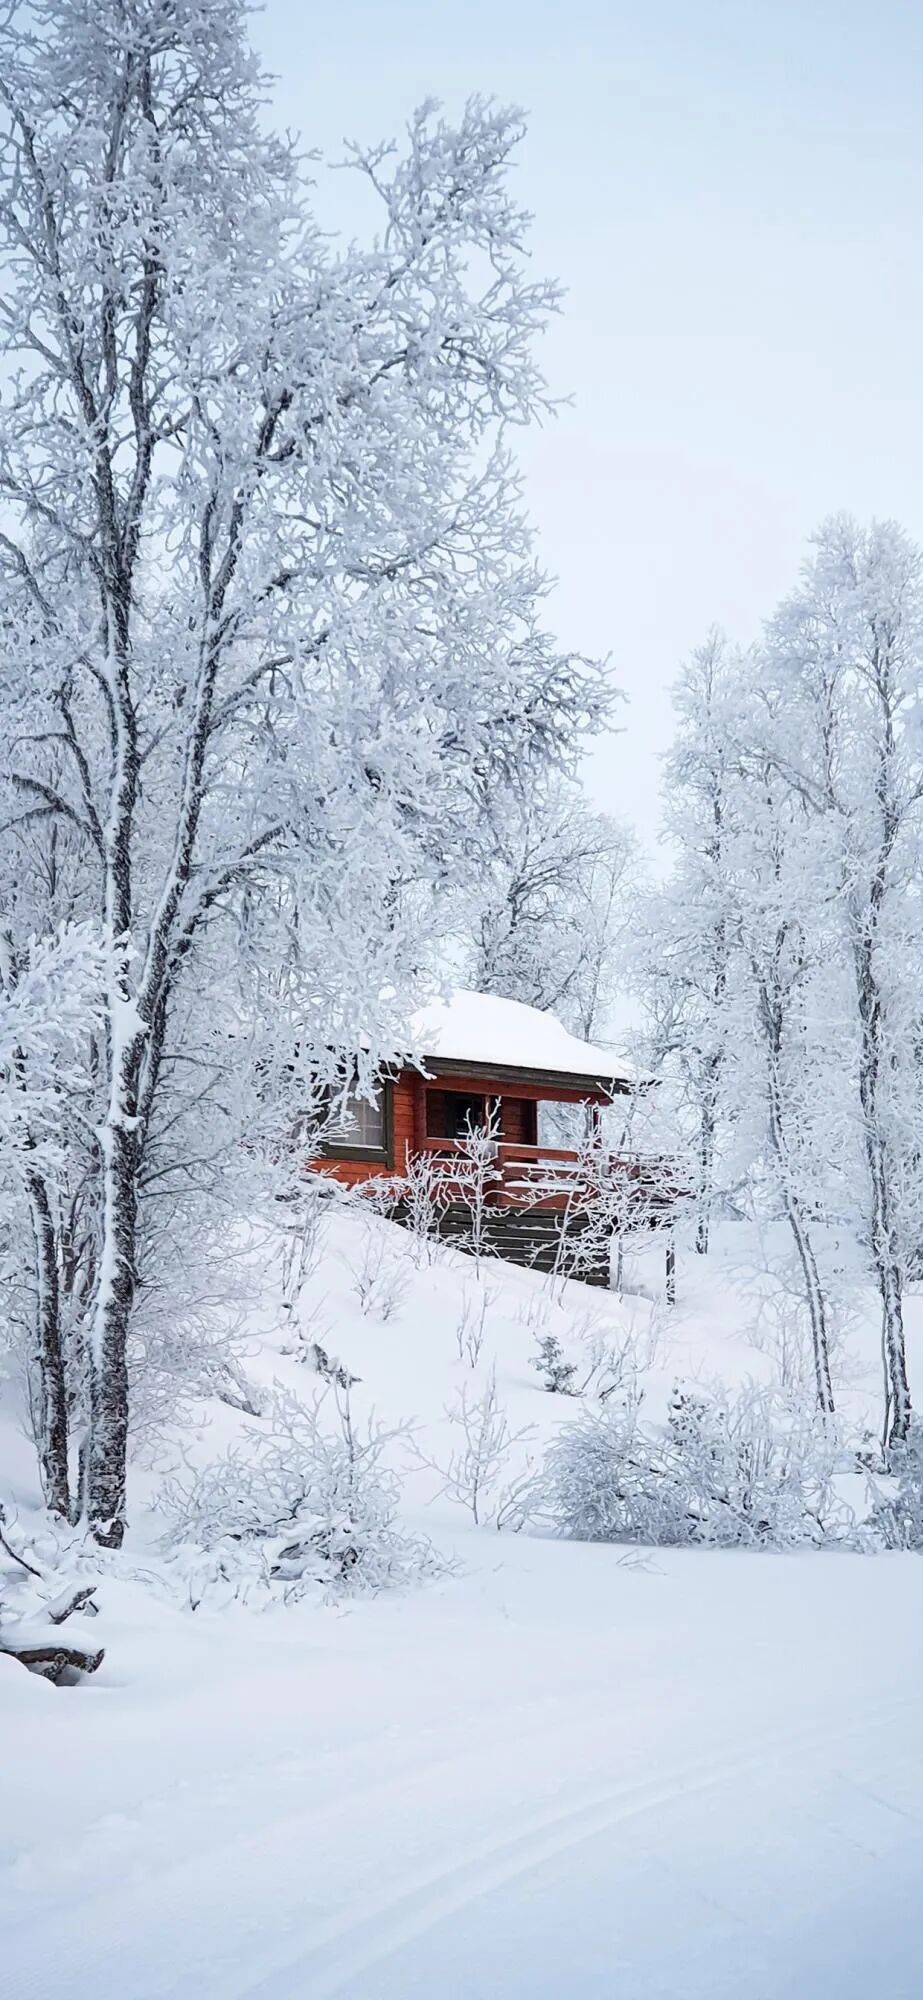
{"type": "Point", "coordinates": [485, 1061]}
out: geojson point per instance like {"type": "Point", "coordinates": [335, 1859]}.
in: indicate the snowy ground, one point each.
{"type": "Point", "coordinates": [556, 1772]}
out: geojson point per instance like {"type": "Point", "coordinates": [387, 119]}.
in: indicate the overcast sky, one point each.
{"type": "Point", "coordinates": [731, 191]}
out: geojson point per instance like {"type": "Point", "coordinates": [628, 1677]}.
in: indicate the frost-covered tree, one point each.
{"type": "Point", "coordinates": [762, 925]}
{"type": "Point", "coordinates": [50, 1001]}
{"type": "Point", "coordinates": [270, 635]}
{"type": "Point", "coordinates": [683, 950]}
{"type": "Point", "coordinates": [776, 920]}
{"type": "Point", "coordinates": [785, 957]}
{"type": "Point", "coordinates": [546, 923]}
{"type": "Point", "coordinates": [845, 659]}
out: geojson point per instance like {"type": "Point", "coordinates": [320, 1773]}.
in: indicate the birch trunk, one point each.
{"type": "Point", "coordinates": [794, 1213]}
{"type": "Point", "coordinates": [52, 1410]}
{"type": "Point", "coordinates": [51, 1416]}
{"type": "Point", "coordinates": [105, 1459]}
{"type": "Point", "coordinates": [707, 1129]}
{"type": "Point", "coordinates": [884, 1245]}
{"type": "Point", "coordinates": [107, 1444]}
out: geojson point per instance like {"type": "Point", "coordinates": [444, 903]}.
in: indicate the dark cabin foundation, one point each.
{"type": "Point", "coordinates": [536, 1239]}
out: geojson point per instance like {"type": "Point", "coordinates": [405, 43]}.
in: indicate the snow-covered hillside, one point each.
{"type": "Point", "coordinates": [559, 1768]}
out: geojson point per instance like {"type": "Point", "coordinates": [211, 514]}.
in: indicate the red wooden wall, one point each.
{"type": "Point", "coordinates": [408, 1120]}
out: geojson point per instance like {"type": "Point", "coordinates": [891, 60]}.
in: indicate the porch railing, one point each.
{"type": "Point", "coordinates": [554, 1177]}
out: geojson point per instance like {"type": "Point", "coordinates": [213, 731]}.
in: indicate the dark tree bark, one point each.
{"type": "Point", "coordinates": [772, 1011]}
{"type": "Point", "coordinates": [53, 1411]}
{"type": "Point", "coordinates": [884, 1243]}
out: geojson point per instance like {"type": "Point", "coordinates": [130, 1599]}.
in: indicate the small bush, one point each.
{"type": "Point", "coordinates": [602, 1370]}
{"type": "Point", "coordinates": [471, 1327]}
{"type": "Point", "coordinates": [559, 1376]}
{"type": "Point", "coordinates": [482, 1456]}
{"type": "Point", "coordinates": [380, 1278]}
{"type": "Point", "coordinates": [744, 1473]}
{"type": "Point", "coordinates": [309, 1507]}
{"type": "Point", "coordinates": [897, 1516]}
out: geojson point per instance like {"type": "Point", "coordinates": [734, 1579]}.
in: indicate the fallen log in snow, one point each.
{"type": "Point", "coordinates": [50, 1657]}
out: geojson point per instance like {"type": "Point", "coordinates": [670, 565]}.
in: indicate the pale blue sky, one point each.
{"type": "Point", "coordinates": [731, 191]}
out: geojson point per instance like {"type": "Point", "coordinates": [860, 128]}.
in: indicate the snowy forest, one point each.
{"type": "Point", "coordinates": [292, 749]}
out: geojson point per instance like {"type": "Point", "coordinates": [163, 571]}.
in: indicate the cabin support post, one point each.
{"type": "Point", "coordinates": [419, 1113]}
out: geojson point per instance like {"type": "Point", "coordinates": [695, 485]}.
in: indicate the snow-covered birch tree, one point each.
{"type": "Point", "coordinates": [547, 918]}
{"type": "Point", "coordinates": [784, 958]}
{"type": "Point", "coordinates": [272, 636]}
{"type": "Point", "coordinates": [50, 1001]}
{"type": "Point", "coordinates": [783, 1065]}
{"type": "Point", "coordinates": [845, 655]}
{"type": "Point", "coordinates": [683, 952]}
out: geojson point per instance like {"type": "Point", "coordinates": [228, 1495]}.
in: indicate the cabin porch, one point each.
{"type": "Point", "coordinates": [553, 1178]}
{"type": "Point", "coordinates": [546, 1207]}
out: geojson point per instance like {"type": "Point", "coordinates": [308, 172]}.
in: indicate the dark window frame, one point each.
{"type": "Point", "coordinates": [469, 1097]}
{"type": "Point", "coordinates": [340, 1149]}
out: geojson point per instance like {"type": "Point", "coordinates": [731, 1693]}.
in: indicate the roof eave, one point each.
{"type": "Point", "coordinates": [559, 1079]}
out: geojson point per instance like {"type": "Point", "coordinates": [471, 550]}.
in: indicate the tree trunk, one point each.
{"type": "Point", "coordinates": [770, 1008]}
{"type": "Point", "coordinates": [816, 1303]}
{"type": "Point", "coordinates": [107, 1448]}
{"type": "Point", "coordinates": [883, 1238]}
{"type": "Point", "coordinates": [707, 1129]}
{"type": "Point", "coordinates": [670, 1267]}
{"type": "Point", "coordinates": [52, 1413]}
{"type": "Point", "coordinates": [108, 1440]}
{"type": "Point", "coordinates": [51, 1439]}
{"type": "Point", "coordinates": [890, 1288]}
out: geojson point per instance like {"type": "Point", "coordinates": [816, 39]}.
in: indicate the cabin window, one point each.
{"type": "Point", "coordinates": [359, 1127]}
{"type": "Point", "coordinates": [519, 1121]}
{"type": "Point", "coordinates": [450, 1114]}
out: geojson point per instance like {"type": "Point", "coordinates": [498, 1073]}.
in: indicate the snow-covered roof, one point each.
{"type": "Point", "coordinates": [480, 1028]}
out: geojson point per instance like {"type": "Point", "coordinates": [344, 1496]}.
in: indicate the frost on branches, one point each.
{"type": "Point", "coordinates": [782, 963]}
{"type": "Point", "coordinates": [305, 1505]}
{"type": "Point", "coordinates": [546, 920]}
{"type": "Point", "coordinates": [270, 641]}
{"type": "Point", "coordinates": [683, 955]}
{"type": "Point", "coordinates": [845, 656]}
{"type": "Point", "coordinates": [748, 1473]}
{"type": "Point", "coordinates": [50, 1006]}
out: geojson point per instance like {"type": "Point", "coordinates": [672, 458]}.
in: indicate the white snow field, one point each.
{"type": "Point", "coordinates": [562, 1770]}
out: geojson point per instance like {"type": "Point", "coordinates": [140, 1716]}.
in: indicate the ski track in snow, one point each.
{"type": "Point", "coordinates": [370, 1934]}
{"type": "Point", "coordinates": [229, 1921]}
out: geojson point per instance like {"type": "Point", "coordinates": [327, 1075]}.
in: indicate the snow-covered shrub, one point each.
{"type": "Point", "coordinates": [476, 1180]}
{"type": "Point", "coordinates": [418, 1195]}
{"type": "Point", "coordinates": [602, 1369]}
{"type": "Point", "coordinates": [482, 1456]}
{"type": "Point", "coordinates": [470, 1327]}
{"type": "Point", "coordinates": [761, 1469]}
{"type": "Point", "coordinates": [309, 1505]}
{"type": "Point", "coordinates": [380, 1278]}
{"type": "Point", "coordinates": [304, 1241]}
{"type": "Point", "coordinates": [559, 1376]}
{"type": "Point", "coordinates": [611, 1370]}
{"type": "Point", "coordinates": [897, 1516]}
{"type": "Point", "coordinates": [747, 1472]}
